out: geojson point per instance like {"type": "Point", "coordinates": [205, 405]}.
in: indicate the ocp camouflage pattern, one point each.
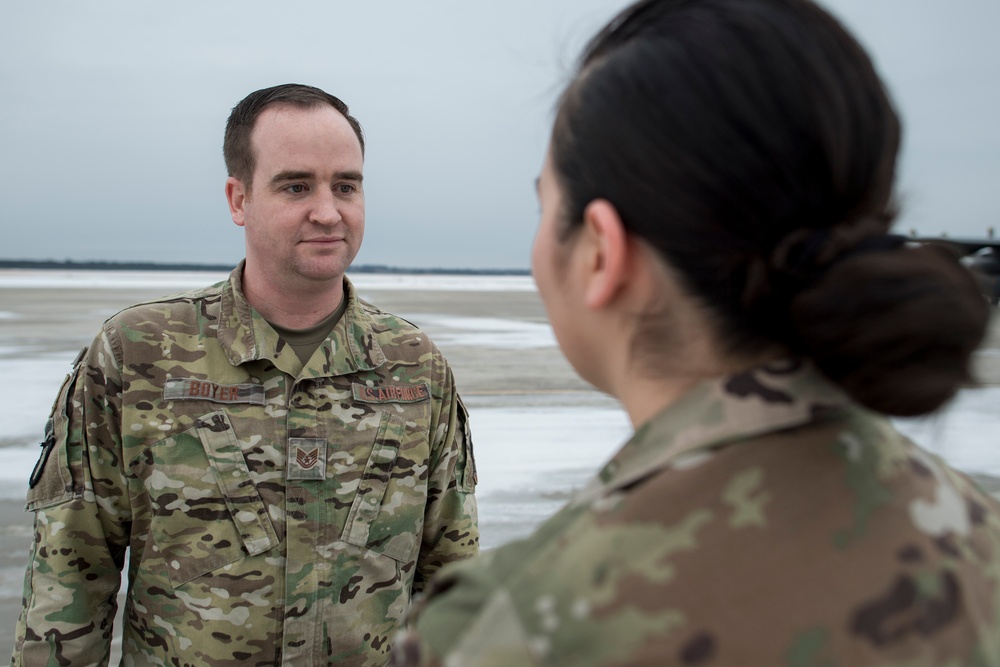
{"type": "Point", "coordinates": [761, 520]}
{"type": "Point", "coordinates": [272, 513]}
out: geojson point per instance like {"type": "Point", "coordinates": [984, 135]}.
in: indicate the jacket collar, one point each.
{"type": "Point", "coordinates": [246, 336]}
{"type": "Point", "coordinates": [769, 398]}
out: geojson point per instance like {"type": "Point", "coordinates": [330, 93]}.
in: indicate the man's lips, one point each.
{"type": "Point", "coordinates": [325, 240]}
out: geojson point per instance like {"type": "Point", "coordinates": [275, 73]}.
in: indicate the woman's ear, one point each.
{"type": "Point", "coordinates": [607, 253]}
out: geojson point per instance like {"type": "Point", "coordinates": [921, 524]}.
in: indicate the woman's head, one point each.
{"type": "Point", "coordinates": [751, 144]}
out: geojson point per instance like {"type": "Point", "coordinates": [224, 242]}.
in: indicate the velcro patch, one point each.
{"type": "Point", "coordinates": [306, 458]}
{"type": "Point", "coordinates": [391, 393]}
{"type": "Point", "coordinates": [181, 389]}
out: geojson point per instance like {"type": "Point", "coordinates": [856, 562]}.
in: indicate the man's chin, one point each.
{"type": "Point", "coordinates": [323, 271]}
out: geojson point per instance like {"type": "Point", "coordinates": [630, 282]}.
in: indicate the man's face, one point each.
{"type": "Point", "coordinates": [305, 212]}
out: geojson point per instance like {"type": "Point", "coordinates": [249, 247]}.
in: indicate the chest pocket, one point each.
{"type": "Point", "coordinates": [205, 509]}
{"type": "Point", "coordinates": [386, 515]}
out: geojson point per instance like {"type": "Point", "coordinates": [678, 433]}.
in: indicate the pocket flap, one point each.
{"type": "Point", "coordinates": [245, 505]}
{"type": "Point", "coordinates": [371, 491]}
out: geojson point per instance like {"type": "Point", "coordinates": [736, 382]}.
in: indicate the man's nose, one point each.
{"type": "Point", "coordinates": [325, 210]}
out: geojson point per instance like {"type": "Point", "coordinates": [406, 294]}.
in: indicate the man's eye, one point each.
{"type": "Point", "coordinates": [346, 188]}
{"type": "Point", "coordinates": [296, 189]}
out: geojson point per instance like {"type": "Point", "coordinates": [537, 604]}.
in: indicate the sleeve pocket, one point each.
{"type": "Point", "coordinates": [468, 475]}
{"type": "Point", "coordinates": [206, 511]}
{"type": "Point", "coordinates": [52, 481]}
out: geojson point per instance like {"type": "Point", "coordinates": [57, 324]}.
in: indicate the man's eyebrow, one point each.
{"type": "Point", "coordinates": [290, 175]}
{"type": "Point", "coordinates": [283, 176]}
{"type": "Point", "coordinates": [349, 176]}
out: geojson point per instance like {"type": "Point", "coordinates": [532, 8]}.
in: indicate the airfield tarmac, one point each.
{"type": "Point", "coordinates": [44, 321]}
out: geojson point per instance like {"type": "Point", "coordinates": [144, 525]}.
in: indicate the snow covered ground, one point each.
{"type": "Point", "coordinates": [530, 458]}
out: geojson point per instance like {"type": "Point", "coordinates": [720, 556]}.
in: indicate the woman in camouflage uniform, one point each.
{"type": "Point", "coordinates": [714, 252]}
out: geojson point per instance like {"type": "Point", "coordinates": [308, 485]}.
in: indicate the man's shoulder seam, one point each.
{"type": "Point", "coordinates": [373, 310]}
{"type": "Point", "coordinates": [189, 298]}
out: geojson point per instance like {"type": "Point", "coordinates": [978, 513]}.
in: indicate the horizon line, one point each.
{"type": "Point", "coordinates": [110, 265]}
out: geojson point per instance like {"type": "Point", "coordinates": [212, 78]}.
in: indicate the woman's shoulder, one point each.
{"type": "Point", "coordinates": [836, 539]}
{"type": "Point", "coordinates": [839, 537]}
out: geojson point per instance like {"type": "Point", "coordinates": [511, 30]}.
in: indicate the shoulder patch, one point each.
{"type": "Point", "coordinates": [391, 393]}
{"type": "Point", "coordinates": [189, 389]}
{"type": "Point", "coordinates": [48, 444]}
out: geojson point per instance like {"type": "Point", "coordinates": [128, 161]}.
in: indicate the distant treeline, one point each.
{"type": "Point", "coordinates": [152, 266]}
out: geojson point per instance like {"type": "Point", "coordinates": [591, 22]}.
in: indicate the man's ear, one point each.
{"type": "Point", "coordinates": [236, 195]}
{"type": "Point", "coordinates": [608, 253]}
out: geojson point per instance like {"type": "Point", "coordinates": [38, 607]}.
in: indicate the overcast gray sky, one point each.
{"type": "Point", "coordinates": [112, 113]}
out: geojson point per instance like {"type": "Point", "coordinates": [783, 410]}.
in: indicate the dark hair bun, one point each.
{"type": "Point", "coordinates": [895, 329]}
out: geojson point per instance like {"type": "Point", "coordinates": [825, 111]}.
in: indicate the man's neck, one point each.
{"type": "Point", "coordinates": [294, 308]}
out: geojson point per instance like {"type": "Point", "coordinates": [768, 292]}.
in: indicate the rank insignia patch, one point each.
{"type": "Point", "coordinates": [306, 458]}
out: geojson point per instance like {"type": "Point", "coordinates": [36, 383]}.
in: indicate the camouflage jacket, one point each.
{"type": "Point", "coordinates": [273, 514]}
{"type": "Point", "coordinates": [761, 520]}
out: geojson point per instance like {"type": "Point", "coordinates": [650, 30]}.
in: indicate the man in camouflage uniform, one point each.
{"type": "Point", "coordinates": [763, 519]}
{"type": "Point", "coordinates": [283, 463]}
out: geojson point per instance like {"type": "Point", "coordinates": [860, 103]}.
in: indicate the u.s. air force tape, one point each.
{"type": "Point", "coordinates": [391, 393]}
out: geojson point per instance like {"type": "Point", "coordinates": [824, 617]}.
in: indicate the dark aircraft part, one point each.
{"type": "Point", "coordinates": [986, 263]}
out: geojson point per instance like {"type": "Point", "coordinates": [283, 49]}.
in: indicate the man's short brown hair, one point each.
{"type": "Point", "coordinates": [236, 147]}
